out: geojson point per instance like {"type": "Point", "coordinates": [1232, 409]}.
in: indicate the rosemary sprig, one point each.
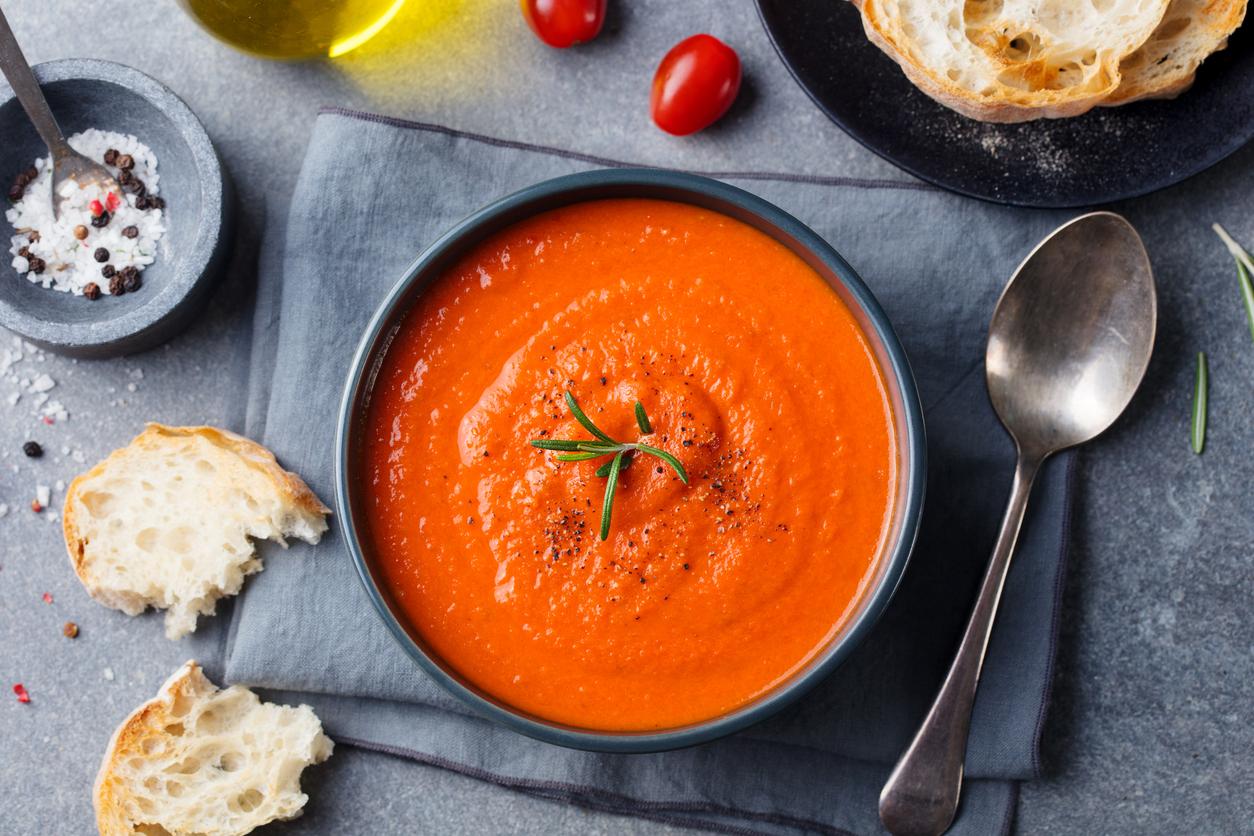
{"type": "Point", "coordinates": [582, 450]}
{"type": "Point", "coordinates": [1245, 269]}
{"type": "Point", "coordinates": [1197, 433]}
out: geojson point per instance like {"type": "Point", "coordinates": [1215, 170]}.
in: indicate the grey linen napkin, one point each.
{"type": "Point", "coordinates": [305, 628]}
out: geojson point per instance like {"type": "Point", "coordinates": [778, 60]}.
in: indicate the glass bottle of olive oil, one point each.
{"type": "Point", "coordinates": [294, 28]}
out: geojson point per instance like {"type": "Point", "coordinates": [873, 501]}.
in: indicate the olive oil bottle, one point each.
{"type": "Point", "coordinates": [294, 29]}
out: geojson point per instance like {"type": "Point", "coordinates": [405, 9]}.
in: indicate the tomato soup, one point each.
{"type": "Point", "coordinates": [704, 596]}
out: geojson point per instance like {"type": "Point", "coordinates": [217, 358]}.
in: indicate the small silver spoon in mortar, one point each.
{"type": "Point", "coordinates": [1068, 345]}
{"type": "Point", "coordinates": [67, 164]}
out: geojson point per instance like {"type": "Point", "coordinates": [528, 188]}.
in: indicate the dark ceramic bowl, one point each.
{"type": "Point", "coordinates": [99, 94]}
{"type": "Point", "coordinates": [350, 492]}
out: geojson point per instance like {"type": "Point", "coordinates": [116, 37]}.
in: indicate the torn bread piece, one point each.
{"type": "Point", "coordinates": [166, 521]}
{"type": "Point", "coordinates": [1166, 64]}
{"type": "Point", "coordinates": [204, 761]}
{"type": "Point", "coordinates": [1012, 60]}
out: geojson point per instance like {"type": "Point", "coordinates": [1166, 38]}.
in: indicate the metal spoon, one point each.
{"type": "Point", "coordinates": [1069, 342]}
{"type": "Point", "coordinates": [66, 162]}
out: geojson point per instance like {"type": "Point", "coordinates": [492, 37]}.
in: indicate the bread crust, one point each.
{"type": "Point", "coordinates": [1217, 19]}
{"type": "Point", "coordinates": [291, 486]}
{"type": "Point", "coordinates": [1041, 104]}
{"type": "Point", "coordinates": [187, 682]}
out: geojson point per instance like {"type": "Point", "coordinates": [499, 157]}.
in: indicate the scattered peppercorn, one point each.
{"type": "Point", "coordinates": [80, 232]}
{"type": "Point", "coordinates": [101, 220]}
{"type": "Point", "coordinates": [92, 291]}
{"type": "Point", "coordinates": [35, 506]}
{"type": "Point", "coordinates": [20, 690]}
{"type": "Point", "coordinates": [136, 187]}
{"type": "Point", "coordinates": [95, 207]}
{"type": "Point", "coordinates": [125, 177]}
{"type": "Point", "coordinates": [685, 567]}
{"type": "Point", "coordinates": [125, 162]}
{"type": "Point", "coordinates": [37, 264]}
{"type": "Point", "coordinates": [16, 192]}
{"type": "Point", "coordinates": [131, 282]}
{"type": "Point", "coordinates": [156, 203]}
{"type": "Point", "coordinates": [32, 449]}
{"type": "Point", "coordinates": [24, 252]}
{"type": "Point", "coordinates": [111, 156]}
{"type": "Point", "coordinates": [130, 232]}
{"type": "Point", "coordinates": [33, 237]}
{"type": "Point", "coordinates": [108, 270]}
{"type": "Point", "coordinates": [70, 630]}
{"type": "Point", "coordinates": [141, 202]}
{"type": "Point", "coordinates": [101, 254]}
{"type": "Point", "coordinates": [47, 597]}
{"type": "Point", "coordinates": [115, 286]}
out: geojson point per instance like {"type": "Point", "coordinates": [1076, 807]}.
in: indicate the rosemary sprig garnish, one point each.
{"type": "Point", "coordinates": [576, 450]}
{"type": "Point", "coordinates": [1245, 269]}
{"type": "Point", "coordinates": [1197, 432]}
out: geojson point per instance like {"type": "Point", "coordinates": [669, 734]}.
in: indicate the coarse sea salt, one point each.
{"type": "Point", "coordinates": [70, 264]}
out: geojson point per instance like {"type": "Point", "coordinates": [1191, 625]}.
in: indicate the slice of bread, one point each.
{"type": "Point", "coordinates": [198, 760]}
{"type": "Point", "coordinates": [1012, 60]}
{"type": "Point", "coordinates": [165, 521]}
{"type": "Point", "coordinates": [1165, 65]}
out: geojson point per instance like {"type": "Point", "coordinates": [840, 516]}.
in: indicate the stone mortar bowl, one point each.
{"type": "Point", "coordinates": [86, 93]}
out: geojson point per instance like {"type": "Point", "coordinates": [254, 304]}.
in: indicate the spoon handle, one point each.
{"type": "Point", "coordinates": [18, 73]}
{"type": "Point", "coordinates": [921, 795]}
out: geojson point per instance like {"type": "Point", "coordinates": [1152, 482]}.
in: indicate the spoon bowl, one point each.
{"type": "Point", "coordinates": [1068, 345]}
{"type": "Point", "coordinates": [1071, 336]}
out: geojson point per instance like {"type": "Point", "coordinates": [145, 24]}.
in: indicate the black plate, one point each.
{"type": "Point", "coordinates": [1107, 154]}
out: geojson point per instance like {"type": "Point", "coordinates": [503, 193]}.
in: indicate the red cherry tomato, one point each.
{"type": "Point", "coordinates": [694, 85]}
{"type": "Point", "coordinates": [563, 23]}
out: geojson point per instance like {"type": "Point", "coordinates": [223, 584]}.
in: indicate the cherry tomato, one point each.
{"type": "Point", "coordinates": [694, 85]}
{"type": "Point", "coordinates": [563, 23]}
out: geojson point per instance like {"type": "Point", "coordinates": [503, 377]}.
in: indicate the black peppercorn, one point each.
{"type": "Point", "coordinates": [136, 186]}
{"type": "Point", "coordinates": [111, 156]}
{"type": "Point", "coordinates": [131, 281]}
{"type": "Point", "coordinates": [101, 220]}
{"type": "Point", "coordinates": [37, 265]}
{"type": "Point", "coordinates": [92, 291]}
{"type": "Point", "coordinates": [24, 252]}
{"type": "Point", "coordinates": [30, 173]}
{"type": "Point", "coordinates": [115, 286]}
{"type": "Point", "coordinates": [101, 255]}
{"type": "Point", "coordinates": [141, 202]}
{"type": "Point", "coordinates": [16, 192]}
{"type": "Point", "coordinates": [130, 232]}
{"type": "Point", "coordinates": [125, 162]}
{"type": "Point", "coordinates": [156, 203]}
{"type": "Point", "coordinates": [108, 271]}
{"type": "Point", "coordinates": [125, 177]}
{"type": "Point", "coordinates": [32, 449]}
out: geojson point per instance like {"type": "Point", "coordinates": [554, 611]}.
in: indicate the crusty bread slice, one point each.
{"type": "Point", "coordinates": [166, 521]}
{"type": "Point", "coordinates": [1012, 60]}
{"type": "Point", "coordinates": [1165, 65]}
{"type": "Point", "coordinates": [198, 760]}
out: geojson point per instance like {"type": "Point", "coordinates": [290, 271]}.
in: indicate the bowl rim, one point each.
{"type": "Point", "coordinates": [662, 184]}
{"type": "Point", "coordinates": [189, 267]}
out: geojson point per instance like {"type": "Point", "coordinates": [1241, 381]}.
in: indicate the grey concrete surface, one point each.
{"type": "Point", "coordinates": [1150, 730]}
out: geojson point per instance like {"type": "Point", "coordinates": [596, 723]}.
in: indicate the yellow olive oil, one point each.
{"type": "Point", "coordinates": [294, 28]}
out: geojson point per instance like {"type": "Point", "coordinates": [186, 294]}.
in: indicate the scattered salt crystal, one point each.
{"type": "Point", "coordinates": [42, 383]}
{"type": "Point", "coordinates": [4, 509]}
{"type": "Point", "coordinates": [40, 399]}
{"type": "Point", "coordinates": [131, 387]}
{"type": "Point", "coordinates": [138, 374]}
{"type": "Point", "coordinates": [13, 398]}
{"type": "Point", "coordinates": [54, 411]}
{"type": "Point", "coordinates": [107, 673]}
{"type": "Point", "coordinates": [43, 495]}
{"type": "Point", "coordinates": [60, 485]}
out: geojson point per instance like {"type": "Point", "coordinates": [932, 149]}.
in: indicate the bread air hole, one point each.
{"type": "Point", "coordinates": [246, 801]}
{"type": "Point", "coordinates": [150, 829]}
{"type": "Point", "coordinates": [979, 11]}
{"type": "Point", "coordinates": [146, 539]}
{"type": "Point", "coordinates": [98, 503]}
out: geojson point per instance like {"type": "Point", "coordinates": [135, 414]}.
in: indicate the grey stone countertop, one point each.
{"type": "Point", "coordinates": [1149, 732]}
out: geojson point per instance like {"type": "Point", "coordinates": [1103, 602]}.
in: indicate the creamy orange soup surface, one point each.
{"type": "Point", "coordinates": [753, 373]}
